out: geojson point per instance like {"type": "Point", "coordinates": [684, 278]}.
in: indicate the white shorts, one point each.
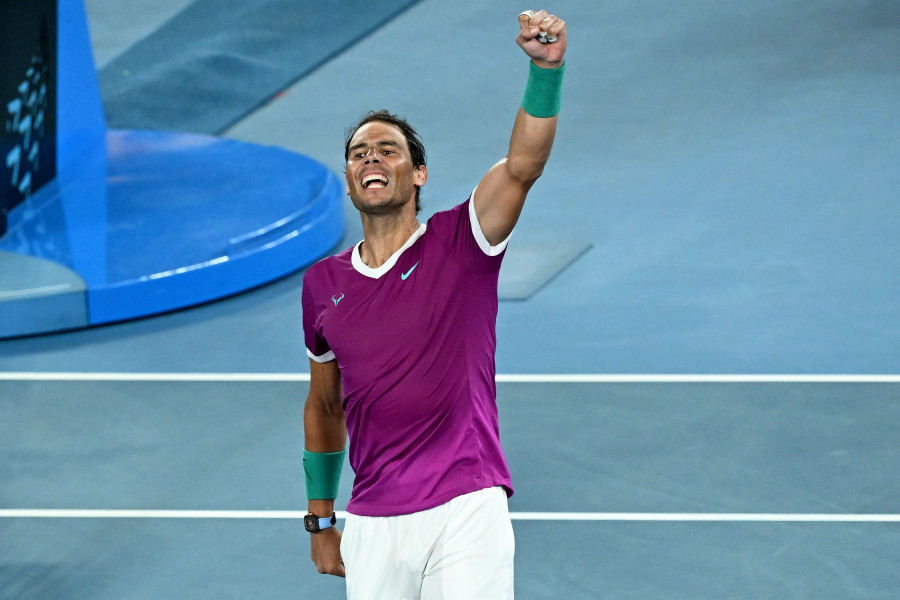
{"type": "Point", "coordinates": [461, 550]}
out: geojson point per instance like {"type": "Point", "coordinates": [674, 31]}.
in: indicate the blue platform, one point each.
{"type": "Point", "coordinates": [136, 223]}
{"type": "Point", "coordinates": [186, 219]}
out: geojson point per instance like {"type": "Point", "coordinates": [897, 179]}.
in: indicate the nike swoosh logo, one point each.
{"type": "Point", "coordinates": [403, 276]}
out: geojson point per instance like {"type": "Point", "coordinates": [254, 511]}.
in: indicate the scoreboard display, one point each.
{"type": "Point", "coordinates": [28, 30]}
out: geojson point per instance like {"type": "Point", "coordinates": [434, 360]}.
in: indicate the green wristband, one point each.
{"type": "Point", "coordinates": [323, 474]}
{"type": "Point", "coordinates": [543, 92]}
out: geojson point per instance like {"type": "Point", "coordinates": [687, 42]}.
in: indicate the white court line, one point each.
{"type": "Point", "coordinates": [501, 378]}
{"type": "Point", "coordinates": [516, 516]}
{"type": "Point", "coordinates": [173, 377]}
{"type": "Point", "coordinates": [697, 378]}
{"type": "Point", "coordinates": [521, 516]}
{"type": "Point", "coordinates": [710, 517]}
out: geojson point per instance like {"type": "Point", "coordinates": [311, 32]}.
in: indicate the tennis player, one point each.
{"type": "Point", "coordinates": [401, 334]}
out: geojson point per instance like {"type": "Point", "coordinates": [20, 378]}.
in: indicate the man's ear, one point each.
{"type": "Point", "coordinates": [420, 176]}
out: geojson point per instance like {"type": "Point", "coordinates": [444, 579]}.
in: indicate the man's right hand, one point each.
{"type": "Point", "coordinates": [326, 551]}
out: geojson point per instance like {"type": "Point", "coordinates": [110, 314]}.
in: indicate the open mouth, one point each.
{"type": "Point", "coordinates": [375, 180]}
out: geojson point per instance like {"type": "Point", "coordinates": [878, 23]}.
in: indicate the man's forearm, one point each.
{"type": "Point", "coordinates": [324, 430]}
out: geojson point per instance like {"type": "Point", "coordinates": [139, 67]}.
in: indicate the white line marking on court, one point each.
{"type": "Point", "coordinates": [501, 378]}
{"type": "Point", "coordinates": [697, 378]}
{"type": "Point", "coordinates": [709, 517]}
{"type": "Point", "coordinates": [515, 516]}
{"type": "Point", "coordinates": [166, 377]}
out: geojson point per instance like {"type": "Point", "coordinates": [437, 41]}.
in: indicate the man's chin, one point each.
{"type": "Point", "coordinates": [374, 206]}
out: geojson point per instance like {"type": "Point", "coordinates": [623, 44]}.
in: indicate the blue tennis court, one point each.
{"type": "Point", "coordinates": [152, 486]}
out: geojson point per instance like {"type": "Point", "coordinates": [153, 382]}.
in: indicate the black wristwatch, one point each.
{"type": "Point", "coordinates": [315, 523]}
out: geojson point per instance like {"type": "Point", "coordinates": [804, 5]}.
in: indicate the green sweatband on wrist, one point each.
{"type": "Point", "coordinates": [323, 473]}
{"type": "Point", "coordinates": [543, 92]}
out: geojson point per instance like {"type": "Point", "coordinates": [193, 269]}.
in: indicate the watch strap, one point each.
{"type": "Point", "coordinates": [314, 523]}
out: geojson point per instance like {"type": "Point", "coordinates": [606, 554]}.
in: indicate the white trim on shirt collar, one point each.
{"type": "Point", "coordinates": [368, 271]}
{"type": "Point", "coordinates": [480, 238]}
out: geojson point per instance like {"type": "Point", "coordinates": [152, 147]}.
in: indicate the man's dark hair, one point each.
{"type": "Point", "coordinates": [413, 141]}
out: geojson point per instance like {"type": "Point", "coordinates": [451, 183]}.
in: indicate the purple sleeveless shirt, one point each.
{"type": "Point", "coordinates": [415, 341]}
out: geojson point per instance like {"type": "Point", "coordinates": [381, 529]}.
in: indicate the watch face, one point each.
{"type": "Point", "coordinates": [311, 522]}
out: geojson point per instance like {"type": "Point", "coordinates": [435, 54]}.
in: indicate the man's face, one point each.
{"type": "Point", "coordinates": [380, 173]}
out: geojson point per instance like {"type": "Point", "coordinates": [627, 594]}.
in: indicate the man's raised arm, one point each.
{"type": "Point", "coordinates": [501, 193]}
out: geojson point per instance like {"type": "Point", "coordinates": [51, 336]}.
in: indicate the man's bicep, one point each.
{"type": "Point", "coordinates": [498, 203]}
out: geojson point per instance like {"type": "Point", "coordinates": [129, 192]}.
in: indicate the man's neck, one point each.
{"type": "Point", "coordinates": [383, 237]}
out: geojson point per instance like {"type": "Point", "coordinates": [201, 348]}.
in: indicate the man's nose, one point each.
{"type": "Point", "coordinates": [372, 156]}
